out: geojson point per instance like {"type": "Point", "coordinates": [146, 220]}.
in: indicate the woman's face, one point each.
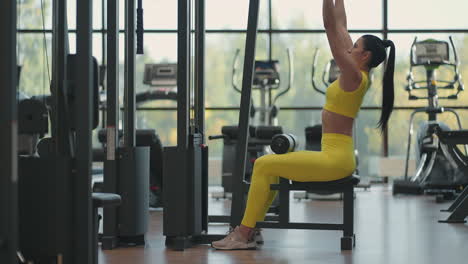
{"type": "Point", "coordinates": [358, 53]}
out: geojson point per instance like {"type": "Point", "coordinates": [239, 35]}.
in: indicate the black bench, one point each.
{"type": "Point", "coordinates": [101, 200]}
{"type": "Point", "coordinates": [344, 186]}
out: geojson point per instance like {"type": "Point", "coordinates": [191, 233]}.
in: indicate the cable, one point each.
{"type": "Point", "coordinates": [140, 29]}
{"type": "Point", "coordinates": [18, 25]}
{"type": "Point", "coordinates": [45, 40]}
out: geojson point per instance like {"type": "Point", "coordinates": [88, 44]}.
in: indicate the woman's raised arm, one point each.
{"type": "Point", "coordinates": [334, 21]}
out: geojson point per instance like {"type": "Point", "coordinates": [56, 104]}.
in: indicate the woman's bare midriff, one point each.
{"type": "Point", "coordinates": [336, 123]}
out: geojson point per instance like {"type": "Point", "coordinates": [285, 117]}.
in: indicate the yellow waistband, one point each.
{"type": "Point", "coordinates": [337, 136]}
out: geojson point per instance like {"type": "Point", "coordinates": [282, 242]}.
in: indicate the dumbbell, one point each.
{"type": "Point", "coordinates": [283, 143]}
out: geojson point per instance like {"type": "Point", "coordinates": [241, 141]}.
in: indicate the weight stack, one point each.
{"type": "Point", "coordinates": [46, 224]}
{"type": "Point", "coordinates": [133, 187]}
{"type": "Point", "coordinates": [185, 193]}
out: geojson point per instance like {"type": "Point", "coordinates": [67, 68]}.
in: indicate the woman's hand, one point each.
{"type": "Point", "coordinates": [329, 20]}
{"type": "Point", "coordinates": [334, 20]}
{"type": "Point", "coordinates": [340, 13]}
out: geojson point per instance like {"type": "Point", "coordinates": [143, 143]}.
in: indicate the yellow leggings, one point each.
{"type": "Point", "coordinates": [335, 161]}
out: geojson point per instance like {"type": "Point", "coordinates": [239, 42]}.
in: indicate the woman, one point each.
{"type": "Point", "coordinates": [343, 100]}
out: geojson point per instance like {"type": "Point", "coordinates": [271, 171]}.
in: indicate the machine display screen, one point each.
{"type": "Point", "coordinates": [432, 52]}
{"type": "Point", "coordinates": [160, 75]}
{"type": "Point", "coordinates": [266, 73]}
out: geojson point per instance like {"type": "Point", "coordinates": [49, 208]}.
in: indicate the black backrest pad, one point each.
{"type": "Point", "coordinates": [233, 131]}
{"type": "Point", "coordinates": [268, 132]}
{"type": "Point", "coordinates": [71, 70]}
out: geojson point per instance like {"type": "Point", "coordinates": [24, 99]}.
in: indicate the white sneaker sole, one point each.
{"type": "Point", "coordinates": [251, 247]}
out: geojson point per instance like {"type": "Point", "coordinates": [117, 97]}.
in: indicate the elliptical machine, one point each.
{"type": "Point", "coordinates": [436, 170]}
{"type": "Point", "coordinates": [267, 81]}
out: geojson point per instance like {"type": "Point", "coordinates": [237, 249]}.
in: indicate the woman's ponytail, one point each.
{"type": "Point", "coordinates": [388, 95]}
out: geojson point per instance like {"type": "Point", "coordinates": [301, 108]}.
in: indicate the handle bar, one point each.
{"type": "Point", "coordinates": [290, 76]}
{"type": "Point", "coordinates": [314, 65]}
{"type": "Point", "coordinates": [216, 137]}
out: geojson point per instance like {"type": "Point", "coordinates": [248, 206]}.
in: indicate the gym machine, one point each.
{"type": "Point", "coordinates": [8, 122]}
{"type": "Point", "coordinates": [126, 165]}
{"type": "Point", "coordinates": [437, 172]}
{"type": "Point", "coordinates": [64, 160]}
{"type": "Point", "coordinates": [266, 80]}
{"type": "Point", "coordinates": [54, 187]}
{"type": "Point", "coordinates": [185, 170]}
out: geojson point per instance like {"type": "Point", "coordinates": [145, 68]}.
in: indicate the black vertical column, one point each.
{"type": "Point", "coordinates": [237, 208]}
{"type": "Point", "coordinates": [109, 239]}
{"type": "Point", "coordinates": [103, 29]}
{"type": "Point", "coordinates": [129, 86]}
{"type": "Point", "coordinates": [200, 104]}
{"type": "Point", "coordinates": [385, 18]}
{"type": "Point", "coordinates": [183, 73]}
{"type": "Point", "coordinates": [270, 28]}
{"type": "Point", "coordinates": [104, 53]}
{"type": "Point", "coordinates": [8, 135]}
{"type": "Point", "coordinates": [385, 36]}
{"type": "Point", "coordinates": [200, 65]}
{"type": "Point", "coordinates": [82, 183]}
{"type": "Point", "coordinates": [60, 117]}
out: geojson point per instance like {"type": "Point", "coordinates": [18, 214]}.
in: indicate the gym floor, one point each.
{"type": "Point", "coordinates": [396, 230]}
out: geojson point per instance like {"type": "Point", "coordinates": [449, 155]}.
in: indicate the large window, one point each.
{"type": "Point", "coordinates": [228, 14]}
{"type": "Point", "coordinates": [220, 52]}
{"type": "Point", "coordinates": [295, 24]}
{"type": "Point", "coordinates": [306, 14]}
{"type": "Point", "coordinates": [427, 14]}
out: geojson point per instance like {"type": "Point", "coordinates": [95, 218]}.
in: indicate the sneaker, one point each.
{"type": "Point", "coordinates": [234, 240]}
{"type": "Point", "coordinates": [258, 238]}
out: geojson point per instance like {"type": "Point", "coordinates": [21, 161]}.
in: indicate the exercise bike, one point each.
{"type": "Point", "coordinates": [437, 171]}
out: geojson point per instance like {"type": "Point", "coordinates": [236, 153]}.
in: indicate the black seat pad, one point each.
{"type": "Point", "coordinates": [353, 179]}
{"type": "Point", "coordinates": [105, 199]}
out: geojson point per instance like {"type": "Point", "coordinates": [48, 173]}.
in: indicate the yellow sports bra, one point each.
{"type": "Point", "coordinates": [346, 103]}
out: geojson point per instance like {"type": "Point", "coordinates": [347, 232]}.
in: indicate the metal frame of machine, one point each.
{"type": "Point", "coordinates": [8, 122]}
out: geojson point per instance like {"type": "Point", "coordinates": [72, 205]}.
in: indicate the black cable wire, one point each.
{"type": "Point", "coordinates": [18, 25]}
{"type": "Point", "coordinates": [45, 41]}
{"type": "Point", "coordinates": [140, 28]}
